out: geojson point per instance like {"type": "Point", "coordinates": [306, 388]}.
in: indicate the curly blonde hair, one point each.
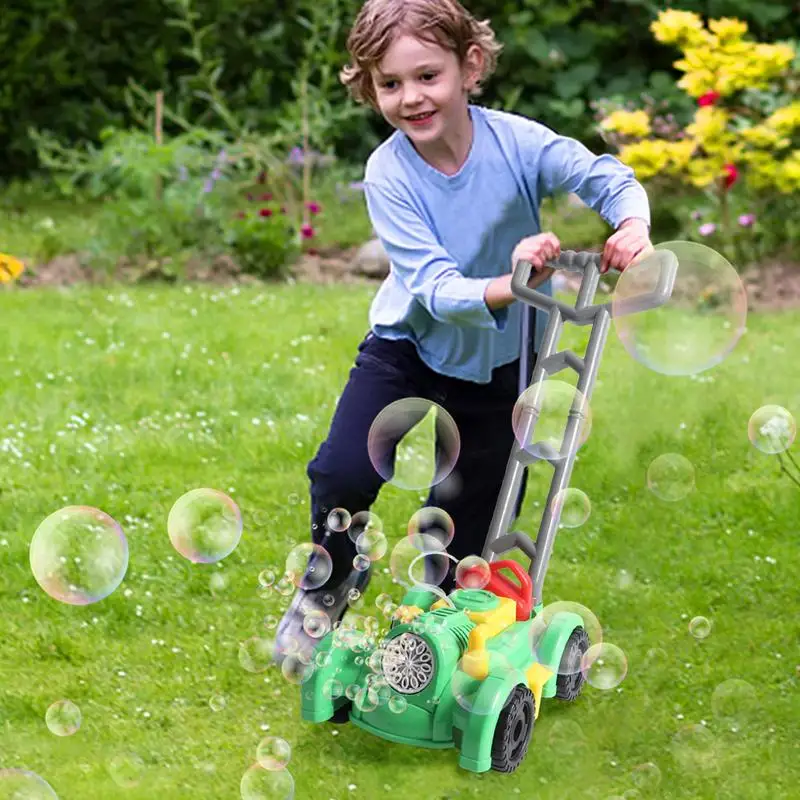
{"type": "Point", "coordinates": [442, 22]}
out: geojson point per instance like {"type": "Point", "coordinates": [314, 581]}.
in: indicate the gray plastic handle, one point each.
{"type": "Point", "coordinates": [514, 540]}
{"type": "Point", "coordinates": [589, 264]}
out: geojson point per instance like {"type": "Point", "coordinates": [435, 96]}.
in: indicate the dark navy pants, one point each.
{"type": "Point", "coordinates": [342, 475]}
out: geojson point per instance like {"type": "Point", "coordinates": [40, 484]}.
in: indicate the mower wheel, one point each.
{"type": "Point", "coordinates": [514, 729]}
{"type": "Point", "coordinates": [570, 676]}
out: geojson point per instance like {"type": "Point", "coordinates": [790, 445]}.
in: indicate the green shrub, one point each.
{"type": "Point", "coordinates": [263, 241]}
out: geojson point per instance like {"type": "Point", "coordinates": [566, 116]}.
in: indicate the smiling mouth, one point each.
{"type": "Point", "coordinates": [420, 117]}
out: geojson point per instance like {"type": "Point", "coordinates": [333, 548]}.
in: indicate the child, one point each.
{"type": "Point", "coordinates": [453, 194]}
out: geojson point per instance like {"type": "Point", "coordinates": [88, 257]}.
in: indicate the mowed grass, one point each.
{"type": "Point", "coordinates": [126, 398]}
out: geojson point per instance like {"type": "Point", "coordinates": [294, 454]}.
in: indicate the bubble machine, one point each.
{"type": "Point", "coordinates": [470, 670]}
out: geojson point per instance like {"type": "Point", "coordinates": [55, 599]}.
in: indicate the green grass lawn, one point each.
{"type": "Point", "coordinates": [126, 398]}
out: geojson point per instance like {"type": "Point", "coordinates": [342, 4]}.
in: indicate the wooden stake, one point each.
{"type": "Point", "coordinates": [159, 134]}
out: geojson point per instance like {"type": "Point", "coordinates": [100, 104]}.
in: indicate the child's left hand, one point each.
{"type": "Point", "coordinates": [628, 243]}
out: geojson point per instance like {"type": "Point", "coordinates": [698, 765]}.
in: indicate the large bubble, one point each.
{"type": "Point", "coordinates": [431, 529]}
{"type": "Point", "coordinates": [604, 666]}
{"type": "Point", "coordinates": [273, 753]}
{"type": "Point", "coordinates": [473, 572]}
{"type": "Point", "coordinates": [409, 566]}
{"type": "Point", "coordinates": [79, 555]}
{"type": "Point", "coordinates": [204, 526]}
{"type": "Point", "coordinates": [572, 506]}
{"type": "Point", "coordinates": [549, 404]}
{"type": "Point", "coordinates": [701, 322]}
{"type": "Point", "coordinates": [771, 429]}
{"type": "Point", "coordinates": [413, 443]}
{"type": "Point", "coordinates": [21, 784]}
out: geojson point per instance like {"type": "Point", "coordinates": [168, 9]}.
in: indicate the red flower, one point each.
{"type": "Point", "coordinates": [307, 231]}
{"type": "Point", "coordinates": [731, 175]}
{"type": "Point", "coordinates": [265, 212]}
{"type": "Point", "coordinates": [314, 208]}
{"type": "Point", "coordinates": [283, 209]}
{"type": "Point", "coordinates": [708, 99]}
{"type": "Point", "coordinates": [266, 197]}
{"type": "Point", "coordinates": [250, 197]}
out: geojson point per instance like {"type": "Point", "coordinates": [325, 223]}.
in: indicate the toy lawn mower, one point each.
{"type": "Point", "coordinates": [470, 670]}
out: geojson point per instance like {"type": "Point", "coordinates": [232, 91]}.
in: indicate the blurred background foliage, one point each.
{"type": "Point", "coordinates": [67, 65]}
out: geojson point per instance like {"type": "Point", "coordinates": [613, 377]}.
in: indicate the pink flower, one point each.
{"type": "Point", "coordinates": [314, 208]}
{"type": "Point", "coordinates": [307, 232]}
{"type": "Point", "coordinates": [746, 220]}
{"type": "Point", "coordinates": [707, 229]}
{"type": "Point", "coordinates": [697, 215]}
{"type": "Point", "coordinates": [265, 212]}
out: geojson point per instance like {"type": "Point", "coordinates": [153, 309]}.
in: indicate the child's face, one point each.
{"type": "Point", "coordinates": [415, 77]}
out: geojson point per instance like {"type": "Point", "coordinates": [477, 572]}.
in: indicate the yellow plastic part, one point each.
{"type": "Point", "coordinates": [488, 624]}
{"type": "Point", "coordinates": [407, 613]}
{"type": "Point", "coordinates": [440, 604]}
{"type": "Point", "coordinates": [537, 676]}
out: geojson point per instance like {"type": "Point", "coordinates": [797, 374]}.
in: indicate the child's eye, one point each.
{"type": "Point", "coordinates": [429, 75]}
{"type": "Point", "coordinates": [388, 84]}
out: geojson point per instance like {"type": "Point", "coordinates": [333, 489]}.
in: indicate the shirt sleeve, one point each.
{"type": "Point", "coordinates": [604, 183]}
{"type": "Point", "coordinates": [424, 267]}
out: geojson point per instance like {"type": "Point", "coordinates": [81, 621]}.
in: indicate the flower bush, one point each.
{"type": "Point", "coordinates": [744, 134]}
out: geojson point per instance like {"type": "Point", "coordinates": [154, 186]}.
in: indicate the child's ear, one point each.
{"type": "Point", "coordinates": [473, 67]}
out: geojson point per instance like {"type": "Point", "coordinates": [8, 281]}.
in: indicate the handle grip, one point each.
{"type": "Point", "coordinates": [589, 264]}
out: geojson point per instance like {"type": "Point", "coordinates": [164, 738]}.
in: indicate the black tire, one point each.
{"type": "Point", "coordinates": [514, 730]}
{"type": "Point", "coordinates": [342, 714]}
{"type": "Point", "coordinates": [570, 676]}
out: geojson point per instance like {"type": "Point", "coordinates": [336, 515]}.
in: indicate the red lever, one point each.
{"type": "Point", "coordinates": [500, 585]}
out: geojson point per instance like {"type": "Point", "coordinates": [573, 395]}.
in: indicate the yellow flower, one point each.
{"type": "Point", "coordinates": [728, 29]}
{"type": "Point", "coordinates": [682, 28]}
{"type": "Point", "coordinates": [698, 83]}
{"type": "Point", "coordinates": [787, 177]}
{"type": "Point", "coordinates": [785, 120]}
{"type": "Point", "coordinates": [647, 158]}
{"type": "Point", "coordinates": [10, 268]}
{"type": "Point", "coordinates": [710, 125]}
{"type": "Point", "coordinates": [703, 172]}
{"type": "Point", "coordinates": [764, 137]}
{"type": "Point", "coordinates": [680, 154]}
{"type": "Point", "coordinates": [628, 123]}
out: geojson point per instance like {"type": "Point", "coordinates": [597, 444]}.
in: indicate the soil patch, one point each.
{"type": "Point", "coordinates": [771, 286]}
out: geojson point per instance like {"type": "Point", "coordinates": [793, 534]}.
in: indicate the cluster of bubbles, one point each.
{"type": "Point", "coordinates": [268, 778]}
{"type": "Point", "coordinates": [79, 554]}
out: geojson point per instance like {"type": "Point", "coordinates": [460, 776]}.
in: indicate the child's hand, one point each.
{"type": "Point", "coordinates": [630, 242]}
{"type": "Point", "coordinates": [537, 249]}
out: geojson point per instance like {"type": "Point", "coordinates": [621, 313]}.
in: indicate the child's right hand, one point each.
{"type": "Point", "coordinates": [537, 249]}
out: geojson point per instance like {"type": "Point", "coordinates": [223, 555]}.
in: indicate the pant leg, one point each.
{"type": "Point", "coordinates": [483, 414]}
{"type": "Point", "coordinates": [341, 473]}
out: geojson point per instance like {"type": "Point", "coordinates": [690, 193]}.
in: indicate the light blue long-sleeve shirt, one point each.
{"type": "Point", "coordinates": [449, 236]}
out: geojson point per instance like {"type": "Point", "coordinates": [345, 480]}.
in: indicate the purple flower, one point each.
{"type": "Point", "coordinates": [222, 157]}
{"type": "Point", "coordinates": [746, 220]}
{"type": "Point", "coordinates": [208, 186]}
{"type": "Point", "coordinates": [183, 173]}
{"type": "Point", "coordinates": [697, 215]}
{"type": "Point", "coordinates": [216, 174]}
{"type": "Point", "coordinates": [707, 229]}
{"type": "Point", "coordinates": [296, 156]}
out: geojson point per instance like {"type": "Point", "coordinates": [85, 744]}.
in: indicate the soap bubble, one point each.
{"type": "Point", "coordinates": [604, 666]}
{"type": "Point", "coordinates": [263, 784]}
{"type": "Point", "coordinates": [431, 529]}
{"type": "Point", "coordinates": [573, 505]}
{"type": "Point", "coordinates": [772, 429]}
{"type": "Point", "coordinates": [79, 555]}
{"type": "Point", "coordinates": [701, 322]}
{"type": "Point", "coordinates": [413, 443]}
{"type": "Point", "coordinates": [734, 703]}
{"type": "Point", "coordinates": [670, 477]}
{"type": "Point", "coordinates": [21, 784]}
{"type": "Point", "coordinates": [63, 718]}
{"type": "Point", "coordinates": [204, 526]}
{"type": "Point", "coordinates": [309, 566]}
{"type": "Point", "coordinates": [126, 769]}
{"type": "Point", "coordinates": [700, 627]}
{"type": "Point", "coordinates": [473, 572]}
{"type": "Point", "coordinates": [273, 753]}
{"type": "Point", "coordinates": [549, 404]}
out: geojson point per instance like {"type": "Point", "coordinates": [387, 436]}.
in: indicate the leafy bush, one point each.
{"type": "Point", "coordinates": [741, 149]}
{"type": "Point", "coordinates": [264, 241]}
